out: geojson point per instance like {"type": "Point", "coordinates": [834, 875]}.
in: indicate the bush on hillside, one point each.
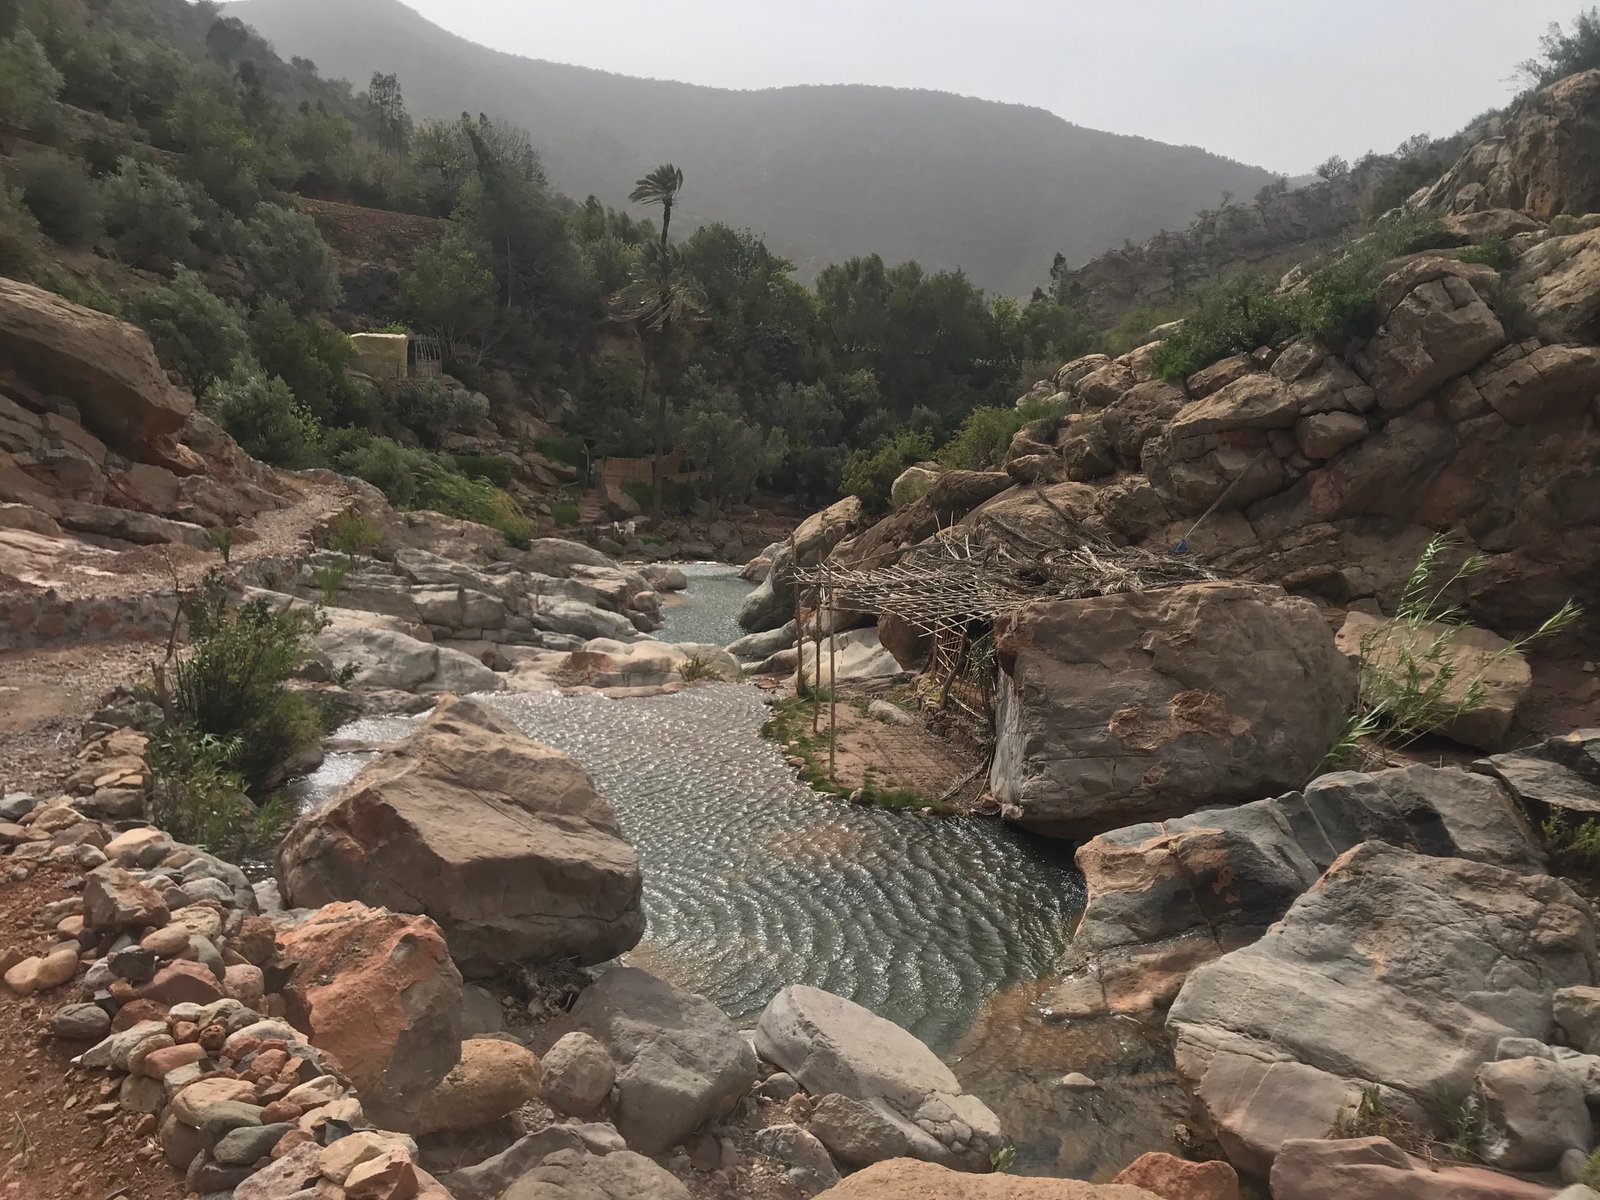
{"type": "Point", "coordinates": [62, 198]}
{"type": "Point", "coordinates": [19, 233]}
{"type": "Point", "coordinates": [1562, 54]}
{"type": "Point", "coordinates": [987, 433]}
{"type": "Point", "coordinates": [263, 415]}
{"type": "Point", "coordinates": [869, 477]}
{"type": "Point", "coordinates": [148, 215]}
{"type": "Point", "coordinates": [310, 356]}
{"type": "Point", "coordinates": [430, 408]}
{"type": "Point", "coordinates": [29, 84]}
{"type": "Point", "coordinates": [285, 258]}
{"type": "Point", "coordinates": [1338, 305]}
{"type": "Point", "coordinates": [195, 333]}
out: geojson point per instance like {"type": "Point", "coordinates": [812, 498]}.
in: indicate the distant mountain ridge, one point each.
{"type": "Point", "coordinates": [822, 172]}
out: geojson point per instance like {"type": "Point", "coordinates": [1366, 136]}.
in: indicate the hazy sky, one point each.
{"type": "Point", "coordinates": [1279, 83]}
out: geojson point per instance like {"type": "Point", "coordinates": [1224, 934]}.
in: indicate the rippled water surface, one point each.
{"type": "Point", "coordinates": [707, 612]}
{"type": "Point", "coordinates": [754, 882]}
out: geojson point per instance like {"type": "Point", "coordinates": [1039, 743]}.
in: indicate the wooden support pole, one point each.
{"type": "Point", "coordinates": [833, 693]}
{"type": "Point", "coordinates": [816, 667]}
{"type": "Point", "coordinates": [799, 633]}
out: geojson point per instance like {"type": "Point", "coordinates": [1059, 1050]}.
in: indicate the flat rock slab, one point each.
{"type": "Point", "coordinates": [1396, 970]}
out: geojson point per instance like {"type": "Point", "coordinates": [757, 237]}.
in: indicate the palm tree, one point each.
{"type": "Point", "coordinates": [664, 302]}
{"type": "Point", "coordinates": [661, 187]}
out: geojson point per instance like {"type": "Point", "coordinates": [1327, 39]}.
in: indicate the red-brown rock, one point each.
{"type": "Point", "coordinates": [1174, 1178]}
{"type": "Point", "coordinates": [379, 992]}
{"type": "Point", "coordinates": [1363, 1168]}
{"type": "Point", "coordinates": [182, 982]}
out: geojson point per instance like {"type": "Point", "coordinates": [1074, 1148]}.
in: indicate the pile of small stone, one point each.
{"type": "Point", "coordinates": [174, 998]}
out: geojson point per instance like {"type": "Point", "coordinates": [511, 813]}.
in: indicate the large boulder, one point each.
{"type": "Point", "coordinates": [898, 1091]}
{"type": "Point", "coordinates": [681, 1064]}
{"type": "Point", "coordinates": [106, 367]}
{"type": "Point", "coordinates": [1543, 163]}
{"type": "Point", "coordinates": [1396, 971]}
{"type": "Point", "coordinates": [377, 991]}
{"type": "Point", "coordinates": [1438, 324]}
{"type": "Point", "coordinates": [907, 1179]}
{"type": "Point", "coordinates": [385, 659]}
{"type": "Point", "coordinates": [580, 1175]}
{"type": "Point", "coordinates": [1149, 705]}
{"type": "Point", "coordinates": [494, 1077]}
{"type": "Point", "coordinates": [773, 602]}
{"type": "Point", "coordinates": [855, 656]}
{"type": "Point", "coordinates": [1370, 1167]}
{"type": "Point", "coordinates": [1477, 664]}
{"type": "Point", "coordinates": [1165, 898]}
{"type": "Point", "coordinates": [503, 842]}
{"type": "Point", "coordinates": [1559, 281]}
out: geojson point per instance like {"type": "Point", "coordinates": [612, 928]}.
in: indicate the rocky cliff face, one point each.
{"type": "Point", "coordinates": [97, 440]}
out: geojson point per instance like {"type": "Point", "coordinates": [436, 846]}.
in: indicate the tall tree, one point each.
{"type": "Point", "coordinates": [388, 106]}
{"type": "Point", "coordinates": [661, 187]}
{"type": "Point", "coordinates": [666, 306]}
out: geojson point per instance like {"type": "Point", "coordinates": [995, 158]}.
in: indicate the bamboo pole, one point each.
{"type": "Point", "coordinates": [833, 692]}
{"type": "Point", "coordinates": [799, 633]}
{"type": "Point", "coordinates": [816, 668]}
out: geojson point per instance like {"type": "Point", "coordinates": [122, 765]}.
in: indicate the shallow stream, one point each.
{"type": "Point", "coordinates": [752, 882]}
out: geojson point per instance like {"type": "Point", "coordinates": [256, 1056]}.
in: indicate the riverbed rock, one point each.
{"type": "Point", "coordinates": [773, 601]}
{"type": "Point", "coordinates": [604, 663]}
{"type": "Point", "coordinates": [387, 660]}
{"type": "Point", "coordinates": [856, 656]}
{"type": "Point", "coordinates": [832, 1046]}
{"type": "Point", "coordinates": [577, 1175]}
{"type": "Point", "coordinates": [1559, 777]}
{"type": "Point", "coordinates": [493, 1078]}
{"type": "Point", "coordinates": [907, 1179]}
{"type": "Point", "coordinates": [1148, 705]}
{"type": "Point", "coordinates": [1165, 898]}
{"type": "Point", "coordinates": [489, 1179]}
{"type": "Point", "coordinates": [504, 843]}
{"type": "Point", "coordinates": [1532, 1112]}
{"type": "Point", "coordinates": [1454, 955]}
{"type": "Point", "coordinates": [808, 1165]}
{"type": "Point", "coordinates": [681, 1064]}
{"type": "Point", "coordinates": [578, 1075]}
{"type": "Point", "coordinates": [1371, 1167]}
{"type": "Point", "coordinates": [1175, 1178]}
{"type": "Point", "coordinates": [1475, 659]}
{"type": "Point", "coordinates": [377, 990]}
{"type": "Point", "coordinates": [756, 647]}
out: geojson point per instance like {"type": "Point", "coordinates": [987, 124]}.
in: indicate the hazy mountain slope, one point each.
{"type": "Point", "coordinates": [822, 172]}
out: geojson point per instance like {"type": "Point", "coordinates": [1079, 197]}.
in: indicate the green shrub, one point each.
{"type": "Point", "coordinates": [1574, 844]}
{"type": "Point", "coordinates": [265, 418]}
{"type": "Point", "coordinates": [1409, 681]}
{"type": "Point", "coordinates": [569, 450]}
{"type": "Point", "coordinates": [354, 534]}
{"type": "Point", "coordinates": [310, 356]}
{"type": "Point", "coordinates": [987, 433]}
{"type": "Point", "coordinates": [329, 579]}
{"type": "Point", "coordinates": [195, 333]}
{"type": "Point", "coordinates": [1493, 252]}
{"type": "Point", "coordinates": [285, 258]}
{"type": "Point", "coordinates": [19, 233]}
{"type": "Point", "coordinates": [412, 478]}
{"type": "Point", "coordinates": [29, 83]}
{"type": "Point", "coordinates": [230, 685]}
{"type": "Point", "coordinates": [697, 668]}
{"type": "Point", "coordinates": [564, 515]}
{"type": "Point", "coordinates": [1231, 317]}
{"type": "Point", "coordinates": [430, 408]}
{"type": "Point", "coordinates": [148, 215]}
{"type": "Point", "coordinates": [199, 798]}
{"type": "Point", "coordinates": [492, 468]}
{"type": "Point", "coordinates": [869, 477]}
{"type": "Point", "coordinates": [62, 197]}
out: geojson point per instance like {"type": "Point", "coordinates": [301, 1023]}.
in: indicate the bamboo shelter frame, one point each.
{"type": "Point", "coordinates": [965, 578]}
